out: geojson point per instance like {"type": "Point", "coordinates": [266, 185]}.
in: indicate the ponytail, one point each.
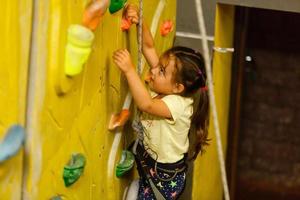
{"type": "Point", "coordinates": [199, 124]}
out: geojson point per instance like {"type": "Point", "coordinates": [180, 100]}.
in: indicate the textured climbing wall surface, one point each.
{"type": "Point", "coordinates": [207, 178]}
{"type": "Point", "coordinates": [15, 30]}
{"type": "Point", "coordinates": [70, 115]}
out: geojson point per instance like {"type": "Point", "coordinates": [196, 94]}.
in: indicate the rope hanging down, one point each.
{"type": "Point", "coordinates": [212, 99]}
{"type": "Point", "coordinates": [140, 37]}
{"type": "Point", "coordinates": [136, 124]}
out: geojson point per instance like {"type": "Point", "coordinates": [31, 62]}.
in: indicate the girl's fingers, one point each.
{"type": "Point", "coordinates": [117, 56]}
{"type": "Point", "coordinates": [123, 53]}
{"type": "Point", "coordinates": [134, 20]}
{"type": "Point", "coordinates": [132, 15]}
{"type": "Point", "coordinates": [132, 12]}
{"type": "Point", "coordinates": [119, 52]}
{"type": "Point", "coordinates": [117, 60]}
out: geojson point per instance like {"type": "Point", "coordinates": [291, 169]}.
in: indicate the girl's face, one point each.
{"type": "Point", "coordinates": [161, 78]}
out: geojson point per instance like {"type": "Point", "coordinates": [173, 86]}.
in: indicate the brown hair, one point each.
{"type": "Point", "coordinates": [191, 73]}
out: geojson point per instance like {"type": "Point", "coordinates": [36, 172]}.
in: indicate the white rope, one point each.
{"type": "Point", "coordinates": [140, 37]}
{"type": "Point", "coordinates": [212, 98]}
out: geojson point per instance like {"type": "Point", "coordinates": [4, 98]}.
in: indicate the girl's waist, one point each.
{"type": "Point", "coordinates": [164, 152]}
{"type": "Point", "coordinates": [146, 157]}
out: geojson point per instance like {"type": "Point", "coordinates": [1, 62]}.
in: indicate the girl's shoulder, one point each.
{"type": "Point", "coordinates": [178, 99]}
{"type": "Point", "coordinates": [178, 104]}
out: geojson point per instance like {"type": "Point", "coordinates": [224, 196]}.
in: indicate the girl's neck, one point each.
{"type": "Point", "coordinates": [159, 96]}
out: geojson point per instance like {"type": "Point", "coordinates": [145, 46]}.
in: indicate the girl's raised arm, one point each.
{"type": "Point", "coordinates": [139, 93]}
{"type": "Point", "coordinates": [148, 48]}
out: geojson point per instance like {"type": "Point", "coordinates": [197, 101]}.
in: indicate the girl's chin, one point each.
{"type": "Point", "coordinates": [150, 87]}
{"type": "Point", "coordinates": [148, 83]}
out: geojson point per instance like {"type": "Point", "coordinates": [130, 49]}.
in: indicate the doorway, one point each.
{"type": "Point", "coordinates": [263, 158]}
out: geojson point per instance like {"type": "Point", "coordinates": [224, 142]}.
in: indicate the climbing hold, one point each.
{"type": "Point", "coordinates": [78, 48]}
{"type": "Point", "coordinates": [166, 27]}
{"type": "Point", "coordinates": [118, 120]}
{"type": "Point", "coordinates": [116, 5]}
{"type": "Point", "coordinates": [56, 198]}
{"type": "Point", "coordinates": [125, 164]}
{"type": "Point", "coordinates": [93, 13]}
{"type": "Point", "coordinates": [125, 24]}
{"type": "Point", "coordinates": [74, 169]}
{"type": "Point", "coordinates": [12, 142]}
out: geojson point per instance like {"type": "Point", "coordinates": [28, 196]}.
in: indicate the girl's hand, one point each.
{"type": "Point", "coordinates": [122, 59]}
{"type": "Point", "coordinates": [131, 12]}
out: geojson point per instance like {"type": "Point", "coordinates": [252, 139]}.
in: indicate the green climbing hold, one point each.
{"type": "Point", "coordinates": [74, 169]}
{"type": "Point", "coordinates": [125, 164]}
{"type": "Point", "coordinates": [116, 5]}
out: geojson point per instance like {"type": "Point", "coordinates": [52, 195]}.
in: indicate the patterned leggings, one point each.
{"type": "Point", "coordinates": [169, 189]}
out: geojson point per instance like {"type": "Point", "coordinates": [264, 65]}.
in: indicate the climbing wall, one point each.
{"type": "Point", "coordinates": [69, 115]}
{"type": "Point", "coordinates": [15, 30]}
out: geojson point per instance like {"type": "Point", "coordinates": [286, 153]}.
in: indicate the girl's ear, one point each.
{"type": "Point", "coordinates": [178, 88]}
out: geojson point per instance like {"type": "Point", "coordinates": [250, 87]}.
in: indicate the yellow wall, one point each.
{"type": "Point", "coordinates": [207, 183]}
{"type": "Point", "coordinates": [71, 115]}
{"type": "Point", "coordinates": [15, 30]}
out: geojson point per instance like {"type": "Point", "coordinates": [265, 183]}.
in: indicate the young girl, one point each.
{"type": "Point", "coordinates": [175, 114]}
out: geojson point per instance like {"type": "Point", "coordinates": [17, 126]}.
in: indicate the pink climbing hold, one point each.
{"type": "Point", "coordinates": [166, 27]}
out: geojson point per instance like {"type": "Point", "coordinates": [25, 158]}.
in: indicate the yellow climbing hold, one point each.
{"type": "Point", "coordinates": [78, 48]}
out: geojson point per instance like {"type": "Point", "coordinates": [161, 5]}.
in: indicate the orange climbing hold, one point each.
{"type": "Point", "coordinates": [125, 24]}
{"type": "Point", "coordinates": [166, 27]}
{"type": "Point", "coordinates": [118, 120]}
{"type": "Point", "coordinates": [93, 13]}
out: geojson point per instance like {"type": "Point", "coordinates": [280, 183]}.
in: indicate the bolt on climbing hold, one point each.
{"type": "Point", "coordinates": [78, 48]}
{"type": "Point", "coordinates": [74, 169]}
{"type": "Point", "coordinates": [12, 142]}
{"type": "Point", "coordinates": [118, 120]}
{"type": "Point", "coordinates": [93, 13]}
{"type": "Point", "coordinates": [125, 164]}
{"type": "Point", "coordinates": [166, 27]}
{"type": "Point", "coordinates": [116, 5]}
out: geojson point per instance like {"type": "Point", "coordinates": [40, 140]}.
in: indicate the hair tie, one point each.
{"type": "Point", "coordinates": [199, 72]}
{"type": "Point", "coordinates": [204, 89]}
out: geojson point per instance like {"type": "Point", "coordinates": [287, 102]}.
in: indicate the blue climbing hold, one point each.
{"type": "Point", "coordinates": [12, 142]}
{"type": "Point", "coordinates": [56, 198]}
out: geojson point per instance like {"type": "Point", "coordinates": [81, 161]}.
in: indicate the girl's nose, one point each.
{"type": "Point", "coordinates": [148, 77]}
{"type": "Point", "coordinates": [153, 71]}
